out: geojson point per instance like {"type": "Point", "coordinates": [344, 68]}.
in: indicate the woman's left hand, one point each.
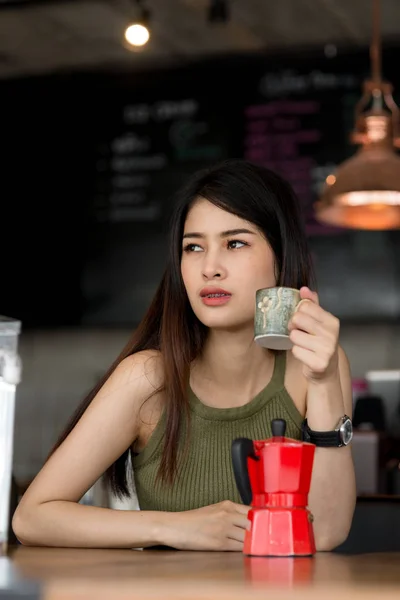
{"type": "Point", "coordinates": [315, 336]}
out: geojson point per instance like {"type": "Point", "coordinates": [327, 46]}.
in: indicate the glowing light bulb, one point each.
{"type": "Point", "coordinates": [137, 35]}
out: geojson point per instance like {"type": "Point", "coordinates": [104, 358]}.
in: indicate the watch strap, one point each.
{"type": "Point", "coordinates": [323, 439]}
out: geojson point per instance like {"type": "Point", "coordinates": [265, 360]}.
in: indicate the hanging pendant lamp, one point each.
{"type": "Point", "coordinates": [364, 192]}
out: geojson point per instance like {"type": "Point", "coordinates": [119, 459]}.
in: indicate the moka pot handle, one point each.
{"type": "Point", "coordinates": [242, 450]}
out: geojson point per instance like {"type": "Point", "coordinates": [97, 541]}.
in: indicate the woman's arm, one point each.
{"type": "Point", "coordinates": [49, 512]}
{"type": "Point", "coordinates": [332, 498]}
{"type": "Point", "coordinates": [333, 491]}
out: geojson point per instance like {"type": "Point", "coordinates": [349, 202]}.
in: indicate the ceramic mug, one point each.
{"type": "Point", "coordinates": [274, 309]}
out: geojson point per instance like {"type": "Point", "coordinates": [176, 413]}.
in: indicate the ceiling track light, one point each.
{"type": "Point", "coordinates": [218, 11]}
{"type": "Point", "coordinates": [143, 11]}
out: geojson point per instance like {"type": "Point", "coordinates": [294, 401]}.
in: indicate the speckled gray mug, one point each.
{"type": "Point", "coordinates": [274, 309]}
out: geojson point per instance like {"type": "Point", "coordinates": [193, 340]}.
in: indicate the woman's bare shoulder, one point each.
{"type": "Point", "coordinates": [145, 372]}
{"type": "Point", "coordinates": [141, 373]}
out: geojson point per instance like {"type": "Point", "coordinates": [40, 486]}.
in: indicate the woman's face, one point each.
{"type": "Point", "coordinates": [225, 260]}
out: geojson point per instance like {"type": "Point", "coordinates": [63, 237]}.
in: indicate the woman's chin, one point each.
{"type": "Point", "coordinates": [225, 322]}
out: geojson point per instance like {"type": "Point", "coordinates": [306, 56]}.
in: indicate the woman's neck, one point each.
{"type": "Point", "coordinates": [231, 366]}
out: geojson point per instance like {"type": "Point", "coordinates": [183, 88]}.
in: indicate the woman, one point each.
{"type": "Point", "coordinates": [192, 379]}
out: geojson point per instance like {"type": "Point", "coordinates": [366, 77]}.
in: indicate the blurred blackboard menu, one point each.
{"type": "Point", "coordinates": [106, 152]}
{"type": "Point", "coordinates": [294, 121]}
{"type": "Point", "coordinates": [154, 145]}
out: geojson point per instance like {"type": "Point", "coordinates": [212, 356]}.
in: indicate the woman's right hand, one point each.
{"type": "Point", "coordinates": [219, 527]}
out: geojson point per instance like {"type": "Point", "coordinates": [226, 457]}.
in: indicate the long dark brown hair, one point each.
{"type": "Point", "coordinates": [253, 193]}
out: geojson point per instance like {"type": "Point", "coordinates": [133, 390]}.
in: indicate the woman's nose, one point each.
{"type": "Point", "coordinates": [213, 267]}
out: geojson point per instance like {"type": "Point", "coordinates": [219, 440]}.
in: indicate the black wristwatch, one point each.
{"type": "Point", "coordinates": [340, 436]}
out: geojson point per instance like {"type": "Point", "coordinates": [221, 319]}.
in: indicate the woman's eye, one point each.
{"type": "Point", "coordinates": [192, 248]}
{"type": "Point", "coordinates": [233, 244]}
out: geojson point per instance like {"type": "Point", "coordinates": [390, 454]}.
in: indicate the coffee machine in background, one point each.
{"type": "Point", "coordinates": [274, 477]}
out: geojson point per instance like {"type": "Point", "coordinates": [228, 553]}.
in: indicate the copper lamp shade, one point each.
{"type": "Point", "coordinates": [364, 192]}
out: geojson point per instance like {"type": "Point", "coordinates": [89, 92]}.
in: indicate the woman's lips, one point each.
{"type": "Point", "coordinates": [211, 296]}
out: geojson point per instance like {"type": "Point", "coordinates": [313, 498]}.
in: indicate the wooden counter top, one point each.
{"type": "Point", "coordinates": [173, 575]}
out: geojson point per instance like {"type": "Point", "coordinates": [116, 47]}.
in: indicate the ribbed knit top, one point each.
{"type": "Point", "coordinates": [205, 476]}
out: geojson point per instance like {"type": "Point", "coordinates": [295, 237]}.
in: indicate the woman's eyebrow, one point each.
{"type": "Point", "coordinates": [229, 232]}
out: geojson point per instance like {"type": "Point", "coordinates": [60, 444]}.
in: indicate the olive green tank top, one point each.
{"type": "Point", "coordinates": [205, 476]}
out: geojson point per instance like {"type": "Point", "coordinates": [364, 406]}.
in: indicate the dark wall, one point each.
{"type": "Point", "coordinates": [374, 528]}
{"type": "Point", "coordinates": [92, 162]}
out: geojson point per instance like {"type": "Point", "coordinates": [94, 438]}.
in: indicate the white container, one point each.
{"type": "Point", "coordinates": [9, 332]}
{"type": "Point", "coordinates": [10, 373]}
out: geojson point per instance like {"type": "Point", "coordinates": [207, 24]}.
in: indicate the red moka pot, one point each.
{"type": "Point", "coordinates": [274, 477]}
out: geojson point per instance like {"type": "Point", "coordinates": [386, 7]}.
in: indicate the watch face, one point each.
{"type": "Point", "coordinates": [346, 431]}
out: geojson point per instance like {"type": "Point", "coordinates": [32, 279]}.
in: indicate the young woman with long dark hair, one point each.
{"type": "Point", "coordinates": [192, 379]}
